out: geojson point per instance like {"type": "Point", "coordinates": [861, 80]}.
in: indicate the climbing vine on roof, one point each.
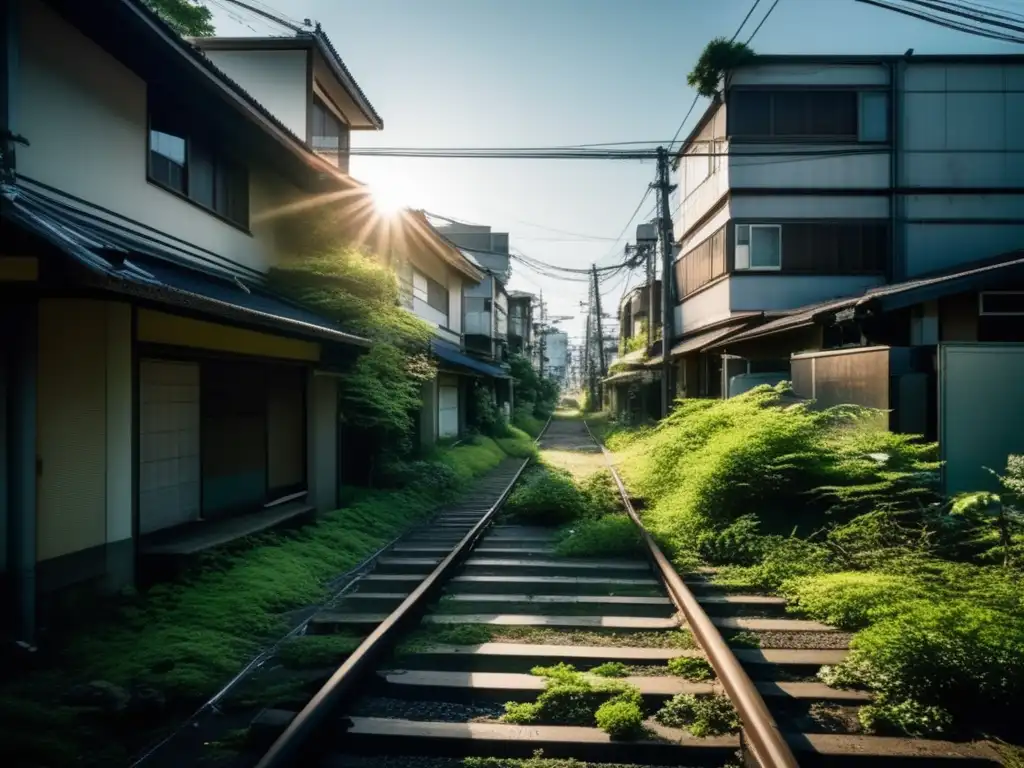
{"type": "Point", "coordinates": [717, 58]}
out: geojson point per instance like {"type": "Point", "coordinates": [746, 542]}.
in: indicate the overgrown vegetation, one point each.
{"type": "Point", "coordinates": [718, 57]}
{"type": "Point", "coordinates": [700, 715]}
{"type": "Point", "coordinates": [161, 654]}
{"type": "Point", "coordinates": [535, 398]}
{"type": "Point", "coordinates": [572, 698]}
{"type": "Point", "coordinates": [847, 522]}
{"type": "Point", "coordinates": [477, 634]}
{"type": "Point", "coordinates": [188, 18]}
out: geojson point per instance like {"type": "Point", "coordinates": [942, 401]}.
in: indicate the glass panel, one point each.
{"type": "Point", "coordinates": [750, 113]}
{"type": "Point", "coordinates": [742, 234]}
{"type": "Point", "coordinates": [167, 158]}
{"type": "Point", "coordinates": [202, 175]}
{"type": "Point", "coordinates": [874, 117]}
{"type": "Point", "coordinates": [765, 250]}
{"type": "Point", "coordinates": [791, 114]}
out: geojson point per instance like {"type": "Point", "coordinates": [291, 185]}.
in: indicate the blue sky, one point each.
{"type": "Point", "coordinates": [488, 73]}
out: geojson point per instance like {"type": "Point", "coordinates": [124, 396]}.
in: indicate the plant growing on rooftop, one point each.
{"type": "Point", "coordinates": [718, 57]}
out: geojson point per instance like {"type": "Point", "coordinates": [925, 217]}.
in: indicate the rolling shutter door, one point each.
{"type": "Point", "coordinates": [168, 445]}
{"type": "Point", "coordinates": [448, 411]}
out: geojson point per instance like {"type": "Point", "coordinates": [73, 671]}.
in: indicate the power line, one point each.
{"type": "Point", "coordinates": [933, 18]}
{"type": "Point", "coordinates": [763, 20]}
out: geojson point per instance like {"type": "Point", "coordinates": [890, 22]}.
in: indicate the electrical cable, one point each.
{"type": "Point", "coordinates": [761, 24]}
{"type": "Point", "coordinates": [934, 19]}
{"type": "Point", "coordinates": [953, 9]}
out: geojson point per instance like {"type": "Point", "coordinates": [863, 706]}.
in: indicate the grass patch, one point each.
{"type": "Point", "coordinates": [610, 536]}
{"type": "Point", "coordinates": [316, 651]}
{"type": "Point", "coordinates": [537, 761]}
{"type": "Point", "coordinates": [185, 639]}
{"type": "Point", "coordinates": [691, 667]}
{"type": "Point", "coordinates": [611, 669]}
{"type": "Point", "coordinates": [700, 715]}
{"type": "Point", "coordinates": [744, 639]}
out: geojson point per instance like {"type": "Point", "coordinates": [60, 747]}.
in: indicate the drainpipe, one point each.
{"type": "Point", "coordinates": [21, 464]}
{"type": "Point", "coordinates": [897, 269]}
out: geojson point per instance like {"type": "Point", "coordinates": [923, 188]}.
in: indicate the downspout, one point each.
{"type": "Point", "coordinates": [897, 268]}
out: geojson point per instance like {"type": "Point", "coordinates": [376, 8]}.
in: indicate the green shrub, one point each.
{"type": "Point", "coordinates": [951, 655]}
{"type": "Point", "coordinates": [546, 496]}
{"type": "Point", "coordinates": [691, 667]}
{"type": "Point", "coordinates": [612, 536]}
{"type": "Point", "coordinates": [848, 599]}
{"type": "Point", "coordinates": [739, 543]}
{"type": "Point", "coordinates": [620, 719]}
{"type": "Point", "coordinates": [700, 715]}
{"type": "Point", "coordinates": [784, 559]}
{"type": "Point", "coordinates": [571, 698]}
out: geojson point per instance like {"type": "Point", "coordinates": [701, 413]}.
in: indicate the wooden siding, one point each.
{"type": "Point", "coordinates": [701, 265]}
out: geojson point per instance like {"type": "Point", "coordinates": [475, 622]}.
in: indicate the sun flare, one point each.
{"type": "Point", "coordinates": [388, 198]}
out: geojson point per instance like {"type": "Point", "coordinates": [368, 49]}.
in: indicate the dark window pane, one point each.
{"type": "Point", "coordinates": [791, 113]}
{"type": "Point", "coordinates": [833, 113]}
{"type": "Point", "coordinates": [437, 296]}
{"type": "Point", "coordinates": [749, 113]}
{"type": "Point", "coordinates": [202, 175]}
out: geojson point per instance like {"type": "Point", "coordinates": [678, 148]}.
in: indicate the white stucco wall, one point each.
{"type": "Point", "coordinates": [85, 115]}
{"type": "Point", "coordinates": [276, 79]}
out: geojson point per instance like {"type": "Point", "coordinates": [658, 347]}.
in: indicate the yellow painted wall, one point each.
{"type": "Point", "coordinates": [72, 414]}
{"type": "Point", "coordinates": [162, 328]}
{"type": "Point", "coordinates": [19, 269]}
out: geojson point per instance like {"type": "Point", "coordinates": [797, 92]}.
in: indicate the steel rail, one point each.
{"type": "Point", "coordinates": [759, 732]}
{"type": "Point", "coordinates": [289, 748]}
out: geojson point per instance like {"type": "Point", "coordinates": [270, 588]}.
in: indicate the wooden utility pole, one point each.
{"type": "Point", "coordinates": [600, 335]}
{"type": "Point", "coordinates": [664, 189]}
{"type": "Point", "coordinates": [543, 336]}
{"type": "Point", "coordinates": [652, 293]}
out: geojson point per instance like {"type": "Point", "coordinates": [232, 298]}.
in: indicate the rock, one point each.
{"type": "Point", "coordinates": [100, 694]}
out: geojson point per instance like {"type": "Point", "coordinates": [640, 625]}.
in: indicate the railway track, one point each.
{"type": "Point", "coordinates": [405, 698]}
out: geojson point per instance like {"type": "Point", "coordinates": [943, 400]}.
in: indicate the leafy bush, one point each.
{"type": "Point", "coordinates": [718, 57]}
{"type": "Point", "coordinates": [956, 656]}
{"type": "Point", "coordinates": [848, 599]}
{"type": "Point", "coordinates": [546, 496]}
{"type": "Point", "coordinates": [609, 536]}
{"type": "Point", "coordinates": [691, 667]}
{"type": "Point", "coordinates": [570, 698]}
{"type": "Point", "coordinates": [620, 718]}
{"type": "Point", "coordinates": [700, 715]}
{"type": "Point", "coordinates": [784, 559]}
{"type": "Point", "coordinates": [484, 414]}
{"type": "Point", "coordinates": [738, 543]}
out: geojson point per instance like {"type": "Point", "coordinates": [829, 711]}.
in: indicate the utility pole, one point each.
{"type": "Point", "coordinates": [664, 189]}
{"type": "Point", "coordinates": [586, 379]}
{"type": "Point", "coordinates": [600, 335]}
{"type": "Point", "coordinates": [652, 294]}
{"type": "Point", "coordinates": [543, 335]}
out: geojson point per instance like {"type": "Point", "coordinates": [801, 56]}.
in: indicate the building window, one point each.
{"type": "Point", "coordinates": [330, 134]}
{"type": "Point", "coordinates": [808, 114]}
{"type": "Point", "coordinates": [758, 246]}
{"type": "Point", "coordinates": [191, 167]}
{"type": "Point", "coordinates": [430, 292]}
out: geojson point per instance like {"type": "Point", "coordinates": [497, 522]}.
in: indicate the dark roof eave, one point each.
{"type": "Point", "coordinates": [882, 58]}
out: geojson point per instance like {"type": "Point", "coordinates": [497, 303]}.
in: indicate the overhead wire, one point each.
{"type": "Point", "coordinates": [917, 11]}
{"type": "Point", "coordinates": [761, 23]}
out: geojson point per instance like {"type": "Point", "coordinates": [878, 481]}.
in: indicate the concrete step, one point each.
{"type": "Point", "coordinates": [491, 551]}
{"type": "Point", "coordinates": [388, 736]}
{"type": "Point", "coordinates": [762, 663]}
{"type": "Point", "coordinates": [624, 623]}
{"type": "Point", "coordinates": [770, 625]}
{"type": "Point", "coordinates": [729, 605]}
{"type": "Point", "coordinates": [551, 584]}
{"type": "Point", "coordinates": [476, 566]}
{"type": "Point", "coordinates": [393, 564]}
{"type": "Point", "coordinates": [554, 604]}
{"type": "Point", "coordinates": [509, 686]}
{"type": "Point", "coordinates": [522, 657]}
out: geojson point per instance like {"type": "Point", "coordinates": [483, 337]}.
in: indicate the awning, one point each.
{"type": "Point", "coordinates": [453, 356]}
{"type": "Point", "coordinates": [126, 262]}
{"type": "Point", "coordinates": [697, 342]}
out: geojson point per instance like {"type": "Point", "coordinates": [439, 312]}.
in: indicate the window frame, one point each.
{"type": "Point", "coordinates": [858, 93]}
{"type": "Point", "coordinates": [318, 102]}
{"type": "Point", "coordinates": [750, 267]}
{"type": "Point", "coordinates": [219, 161]}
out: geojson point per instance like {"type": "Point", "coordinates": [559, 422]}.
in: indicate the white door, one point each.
{"type": "Point", "coordinates": [169, 444]}
{"type": "Point", "coordinates": [448, 411]}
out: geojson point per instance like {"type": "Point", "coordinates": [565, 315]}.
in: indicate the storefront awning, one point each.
{"type": "Point", "coordinates": [129, 263]}
{"type": "Point", "coordinates": [453, 356]}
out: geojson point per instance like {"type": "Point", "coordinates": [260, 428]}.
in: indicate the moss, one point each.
{"type": "Point", "coordinates": [314, 651]}
{"type": "Point", "coordinates": [700, 715]}
{"type": "Point", "coordinates": [476, 634]}
{"type": "Point", "coordinates": [691, 667]}
{"type": "Point", "coordinates": [187, 638]}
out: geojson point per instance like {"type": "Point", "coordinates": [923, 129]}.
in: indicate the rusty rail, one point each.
{"type": "Point", "coordinates": [760, 732]}
{"type": "Point", "coordinates": [288, 749]}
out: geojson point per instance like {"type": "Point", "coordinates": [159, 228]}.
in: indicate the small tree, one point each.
{"type": "Point", "coordinates": [717, 58]}
{"type": "Point", "coordinates": [188, 18]}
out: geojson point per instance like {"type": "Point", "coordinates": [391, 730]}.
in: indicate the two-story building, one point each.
{"type": "Point", "coordinates": [836, 201]}
{"type": "Point", "coordinates": [157, 398]}
{"type": "Point", "coordinates": [520, 323]}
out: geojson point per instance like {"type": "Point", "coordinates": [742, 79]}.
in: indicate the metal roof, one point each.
{"type": "Point", "coordinates": [129, 263]}
{"type": "Point", "coordinates": [886, 298]}
{"type": "Point", "coordinates": [454, 356]}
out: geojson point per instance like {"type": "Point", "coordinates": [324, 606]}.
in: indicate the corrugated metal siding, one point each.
{"type": "Point", "coordinates": [72, 426]}
{"type": "Point", "coordinates": [169, 444]}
